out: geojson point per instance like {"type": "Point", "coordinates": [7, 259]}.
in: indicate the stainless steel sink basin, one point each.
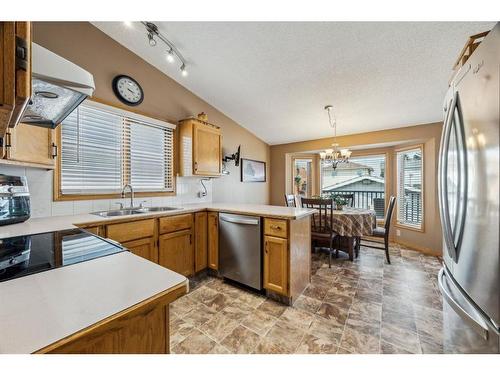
{"type": "Point", "coordinates": [158, 209]}
{"type": "Point", "coordinates": [134, 211]}
{"type": "Point", "coordinates": [118, 212]}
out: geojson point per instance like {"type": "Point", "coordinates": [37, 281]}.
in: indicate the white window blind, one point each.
{"type": "Point", "coordinates": [410, 182]}
{"type": "Point", "coordinates": [103, 148]}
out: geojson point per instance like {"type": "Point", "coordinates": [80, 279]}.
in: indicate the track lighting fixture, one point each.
{"type": "Point", "coordinates": [153, 34]}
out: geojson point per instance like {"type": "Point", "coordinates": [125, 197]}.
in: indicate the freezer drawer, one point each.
{"type": "Point", "coordinates": [465, 328]}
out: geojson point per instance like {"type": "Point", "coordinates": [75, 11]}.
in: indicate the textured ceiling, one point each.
{"type": "Point", "coordinates": [275, 78]}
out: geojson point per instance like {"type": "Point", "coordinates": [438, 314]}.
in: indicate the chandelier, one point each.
{"type": "Point", "coordinates": [333, 156]}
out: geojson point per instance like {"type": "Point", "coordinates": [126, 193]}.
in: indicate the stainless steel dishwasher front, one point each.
{"type": "Point", "coordinates": [240, 256]}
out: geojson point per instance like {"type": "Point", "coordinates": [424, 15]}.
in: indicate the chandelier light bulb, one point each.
{"type": "Point", "coordinates": [151, 39]}
{"type": "Point", "coordinates": [322, 155]}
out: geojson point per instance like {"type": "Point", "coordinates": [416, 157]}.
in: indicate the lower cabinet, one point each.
{"type": "Point", "coordinates": [200, 243]}
{"type": "Point", "coordinates": [213, 240]}
{"type": "Point", "coordinates": [144, 247]}
{"type": "Point", "coordinates": [276, 264]}
{"type": "Point", "coordinates": [176, 251]}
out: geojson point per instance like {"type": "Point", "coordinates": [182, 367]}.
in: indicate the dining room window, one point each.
{"type": "Point", "coordinates": [104, 147]}
{"type": "Point", "coordinates": [410, 210]}
{"type": "Point", "coordinates": [362, 178]}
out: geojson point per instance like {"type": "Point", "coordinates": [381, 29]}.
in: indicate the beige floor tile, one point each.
{"type": "Point", "coordinates": [219, 349]}
{"type": "Point", "coordinates": [338, 300]}
{"type": "Point", "coordinates": [241, 340]}
{"type": "Point", "coordinates": [316, 291]}
{"type": "Point", "coordinates": [219, 326]}
{"type": "Point", "coordinates": [272, 308]}
{"type": "Point", "coordinates": [326, 329]}
{"type": "Point", "coordinates": [285, 335]}
{"type": "Point", "coordinates": [251, 299]}
{"type": "Point", "coordinates": [400, 338]}
{"type": "Point", "coordinates": [182, 306]}
{"type": "Point", "coordinates": [357, 342]}
{"type": "Point", "coordinates": [267, 346]}
{"type": "Point", "coordinates": [259, 322]}
{"type": "Point", "coordinates": [333, 313]}
{"type": "Point", "coordinates": [237, 310]}
{"type": "Point", "coordinates": [199, 315]}
{"type": "Point", "coordinates": [344, 288]}
{"type": "Point", "coordinates": [314, 345]}
{"type": "Point", "coordinates": [297, 318]}
{"type": "Point", "coordinates": [307, 304]}
{"type": "Point", "coordinates": [195, 343]}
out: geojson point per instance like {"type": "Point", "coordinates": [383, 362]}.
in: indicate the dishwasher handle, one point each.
{"type": "Point", "coordinates": [239, 220]}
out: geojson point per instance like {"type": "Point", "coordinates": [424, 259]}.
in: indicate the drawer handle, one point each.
{"type": "Point", "coordinates": [277, 227]}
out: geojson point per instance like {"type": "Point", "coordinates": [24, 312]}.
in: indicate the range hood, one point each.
{"type": "Point", "coordinates": [58, 87]}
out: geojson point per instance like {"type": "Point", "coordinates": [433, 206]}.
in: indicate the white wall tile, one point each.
{"type": "Point", "coordinates": [82, 207]}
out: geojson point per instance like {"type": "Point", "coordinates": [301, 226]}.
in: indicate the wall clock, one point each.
{"type": "Point", "coordinates": [127, 90]}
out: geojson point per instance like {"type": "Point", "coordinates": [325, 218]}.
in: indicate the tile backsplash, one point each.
{"type": "Point", "coordinates": [40, 185]}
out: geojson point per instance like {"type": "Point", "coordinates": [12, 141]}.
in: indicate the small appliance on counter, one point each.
{"type": "Point", "coordinates": [14, 199]}
{"type": "Point", "coordinates": [25, 255]}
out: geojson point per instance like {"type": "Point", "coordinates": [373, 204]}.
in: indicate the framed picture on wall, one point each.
{"type": "Point", "coordinates": [253, 171]}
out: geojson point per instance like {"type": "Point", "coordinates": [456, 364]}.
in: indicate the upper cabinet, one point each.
{"type": "Point", "coordinates": [15, 72]}
{"type": "Point", "coordinates": [200, 148]}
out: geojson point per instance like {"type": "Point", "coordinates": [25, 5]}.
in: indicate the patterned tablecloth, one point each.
{"type": "Point", "coordinates": [354, 222]}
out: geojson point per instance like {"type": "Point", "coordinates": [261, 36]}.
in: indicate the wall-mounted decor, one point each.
{"type": "Point", "coordinates": [253, 171]}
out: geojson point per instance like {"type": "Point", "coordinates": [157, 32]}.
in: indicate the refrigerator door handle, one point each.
{"type": "Point", "coordinates": [442, 175]}
{"type": "Point", "coordinates": [476, 322]}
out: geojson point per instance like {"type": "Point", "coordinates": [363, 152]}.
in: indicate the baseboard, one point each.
{"type": "Point", "coordinates": [422, 249]}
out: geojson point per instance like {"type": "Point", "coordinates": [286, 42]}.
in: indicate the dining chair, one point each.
{"type": "Point", "coordinates": [321, 230]}
{"type": "Point", "coordinates": [382, 232]}
{"type": "Point", "coordinates": [290, 200]}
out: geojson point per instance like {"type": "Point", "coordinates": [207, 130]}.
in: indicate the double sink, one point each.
{"type": "Point", "coordinates": [134, 211]}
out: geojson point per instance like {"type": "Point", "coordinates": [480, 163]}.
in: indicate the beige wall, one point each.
{"type": "Point", "coordinates": [429, 135]}
{"type": "Point", "coordinates": [87, 46]}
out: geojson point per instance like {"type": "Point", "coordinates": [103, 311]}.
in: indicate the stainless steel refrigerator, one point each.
{"type": "Point", "coordinates": [469, 195]}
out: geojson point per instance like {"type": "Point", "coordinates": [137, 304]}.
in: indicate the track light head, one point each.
{"type": "Point", "coordinates": [170, 56]}
{"type": "Point", "coordinates": [151, 39]}
{"type": "Point", "coordinates": [184, 72]}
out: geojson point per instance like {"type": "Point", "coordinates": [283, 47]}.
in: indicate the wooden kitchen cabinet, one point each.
{"type": "Point", "coordinates": [32, 145]}
{"type": "Point", "coordinates": [201, 241]}
{"type": "Point", "coordinates": [213, 240]}
{"type": "Point", "coordinates": [200, 148]}
{"type": "Point", "coordinates": [276, 264]}
{"type": "Point", "coordinates": [144, 247]}
{"type": "Point", "coordinates": [15, 72]}
{"type": "Point", "coordinates": [176, 252]}
{"type": "Point", "coordinates": [137, 236]}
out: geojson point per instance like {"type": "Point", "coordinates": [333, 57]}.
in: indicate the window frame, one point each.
{"type": "Point", "coordinates": [387, 178]}
{"type": "Point", "coordinates": [59, 196]}
{"type": "Point", "coordinates": [398, 224]}
{"type": "Point", "coordinates": [312, 183]}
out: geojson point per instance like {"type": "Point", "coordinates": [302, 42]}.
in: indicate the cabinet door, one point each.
{"type": "Point", "coordinates": [200, 234]}
{"type": "Point", "coordinates": [176, 252]}
{"type": "Point", "coordinates": [31, 144]}
{"type": "Point", "coordinates": [15, 71]}
{"type": "Point", "coordinates": [276, 264]}
{"type": "Point", "coordinates": [207, 150]}
{"type": "Point", "coordinates": [213, 240]}
{"type": "Point", "coordinates": [145, 247]}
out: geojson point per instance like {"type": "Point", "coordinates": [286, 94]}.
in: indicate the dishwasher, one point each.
{"type": "Point", "coordinates": [240, 256]}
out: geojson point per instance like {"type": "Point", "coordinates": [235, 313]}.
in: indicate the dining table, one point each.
{"type": "Point", "coordinates": [351, 224]}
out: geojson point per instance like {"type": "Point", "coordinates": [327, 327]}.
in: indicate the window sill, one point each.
{"type": "Point", "coordinates": [81, 197]}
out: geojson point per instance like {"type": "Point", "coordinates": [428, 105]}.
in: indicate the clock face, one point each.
{"type": "Point", "coordinates": [128, 90]}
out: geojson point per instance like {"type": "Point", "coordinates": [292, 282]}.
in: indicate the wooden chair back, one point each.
{"type": "Point", "coordinates": [290, 200]}
{"type": "Point", "coordinates": [390, 210]}
{"type": "Point", "coordinates": [321, 219]}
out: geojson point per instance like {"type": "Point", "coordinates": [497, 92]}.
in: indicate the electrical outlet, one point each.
{"type": "Point", "coordinates": [398, 232]}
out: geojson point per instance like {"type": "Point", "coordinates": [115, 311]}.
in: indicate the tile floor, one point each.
{"type": "Point", "coordinates": [365, 306]}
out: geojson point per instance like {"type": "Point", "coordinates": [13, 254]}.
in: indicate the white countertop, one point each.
{"type": "Point", "coordinates": [54, 223]}
{"type": "Point", "coordinates": [40, 309]}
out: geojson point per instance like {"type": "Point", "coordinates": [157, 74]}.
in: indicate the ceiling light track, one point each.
{"type": "Point", "coordinates": [153, 34]}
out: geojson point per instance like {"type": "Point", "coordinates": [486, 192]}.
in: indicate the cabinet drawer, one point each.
{"type": "Point", "coordinates": [275, 227]}
{"type": "Point", "coordinates": [171, 224]}
{"type": "Point", "coordinates": [131, 231]}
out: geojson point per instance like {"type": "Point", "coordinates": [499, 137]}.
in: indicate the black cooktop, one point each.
{"type": "Point", "coordinates": [26, 255]}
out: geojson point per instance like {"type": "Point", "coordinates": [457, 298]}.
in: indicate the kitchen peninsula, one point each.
{"type": "Point", "coordinates": [70, 308]}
